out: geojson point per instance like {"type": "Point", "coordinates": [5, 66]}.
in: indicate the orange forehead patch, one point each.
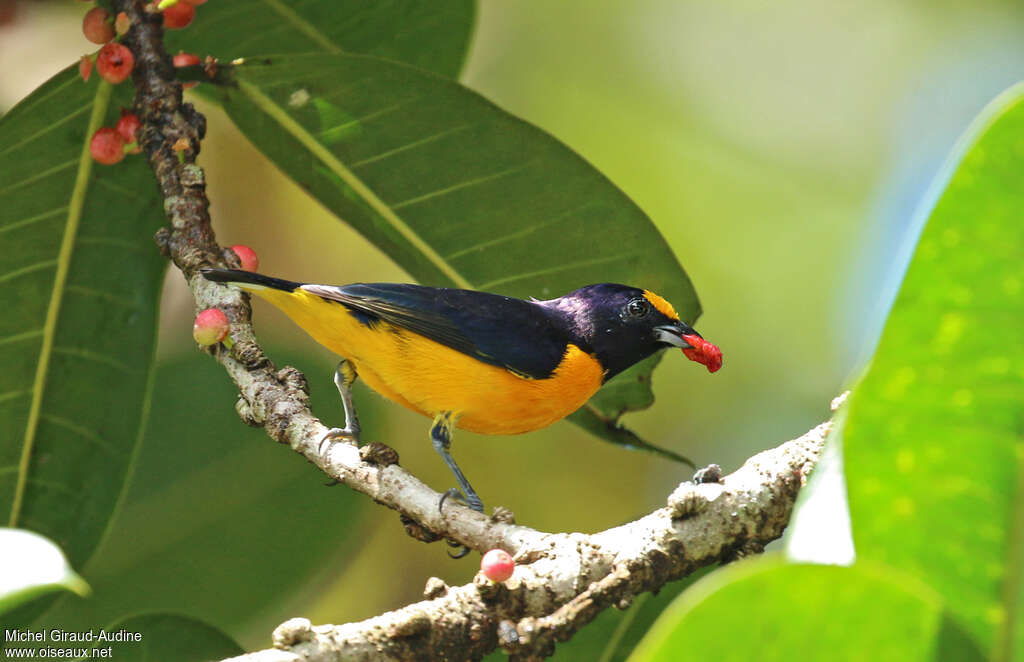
{"type": "Point", "coordinates": [664, 307]}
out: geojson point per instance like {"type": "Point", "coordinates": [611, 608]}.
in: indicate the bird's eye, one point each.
{"type": "Point", "coordinates": [637, 308]}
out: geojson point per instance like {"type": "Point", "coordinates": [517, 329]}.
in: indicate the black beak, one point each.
{"type": "Point", "coordinates": [675, 334]}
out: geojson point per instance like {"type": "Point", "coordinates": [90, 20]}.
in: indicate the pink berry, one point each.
{"type": "Point", "coordinates": [106, 146]}
{"type": "Point", "coordinates": [114, 62]}
{"type": "Point", "coordinates": [85, 67]}
{"type": "Point", "coordinates": [211, 327]}
{"type": "Point", "coordinates": [497, 565]}
{"type": "Point", "coordinates": [96, 26]}
{"type": "Point", "coordinates": [183, 59]}
{"type": "Point", "coordinates": [128, 127]}
{"type": "Point", "coordinates": [179, 15]}
{"type": "Point", "coordinates": [247, 256]}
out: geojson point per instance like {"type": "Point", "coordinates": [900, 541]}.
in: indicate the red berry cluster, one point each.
{"type": "Point", "coordinates": [114, 61]}
{"type": "Point", "coordinates": [211, 326]}
{"type": "Point", "coordinates": [109, 144]}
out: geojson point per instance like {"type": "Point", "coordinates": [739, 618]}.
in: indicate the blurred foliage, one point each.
{"type": "Point", "coordinates": [933, 440]}
{"type": "Point", "coordinates": [933, 454]}
{"type": "Point", "coordinates": [765, 609]}
{"type": "Point", "coordinates": [169, 637]}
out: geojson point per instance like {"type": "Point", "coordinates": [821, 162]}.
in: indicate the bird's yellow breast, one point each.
{"type": "Point", "coordinates": [431, 378]}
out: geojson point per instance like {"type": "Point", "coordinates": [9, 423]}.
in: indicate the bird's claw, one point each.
{"type": "Point", "coordinates": [350, 433]}
{"type": "Point", "coordinates": [463, 550]}
{"type": "Point", "coordinates": [474, 502]}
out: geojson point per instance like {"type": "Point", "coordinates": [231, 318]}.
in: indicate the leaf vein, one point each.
{"type": "Point", "coordinates": [302, 25]}
{"type": "Point", "coordinates": [14, 225]}
{"type": "Point", "coordinates": [13, 395]}
{"type": "Point", "coordinates": [49, 127]}
{"type": "Point", "coordinates": [39, 175]}
{"type": "Point", "coordinates": [109, 297]}
{"type": "Point", "coordinates": [413, 145]}
{"type": "Point", "coordinates": [561, 267]}
{"type": "Point", "coordinates": [95, 357]}
{"type": "Point", "coordinates": [521, 233]}
{"type": "Point", "coordinates": [38, 266]}
{"type": "Point", "coordinates": [457, 187]}
{"type": "Point", "coordinates": [82, 431]}
{"type": "Point", "coordinates": [18, 337]}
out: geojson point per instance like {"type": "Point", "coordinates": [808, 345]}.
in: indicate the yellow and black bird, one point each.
{"type": "Point", "coordinates": [474, 360]}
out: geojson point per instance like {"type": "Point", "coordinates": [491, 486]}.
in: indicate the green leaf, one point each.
{"type": "Point", "coordinates": [455, 190]}
{"type": "Point", "coordinates": [766, 609]}
{"type": "Point", "coordinates": [30, 566]}
{"type": "Point", "coordinates": [166, 636]}
{"type": "Point", "coordinates": [429, 34]}
{"type": "Point", "coordinates": [79, 284]}
{"type": "Point", "coordinates": [933, 445]}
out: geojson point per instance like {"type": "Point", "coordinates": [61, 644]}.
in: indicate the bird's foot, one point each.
{"type": "Point", "coordinates": [462, 549]}
{"type": "Point", "coordinates": [349, 432]}
{"type": "Point", "coordinates": [472, 501]}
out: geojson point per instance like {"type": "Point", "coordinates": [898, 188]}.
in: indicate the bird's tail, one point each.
{"type": "Point", "coordinates": [249, 280]}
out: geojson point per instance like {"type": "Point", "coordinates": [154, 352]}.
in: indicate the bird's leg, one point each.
{"type": "Point", "coordinates": [344, 376]}
{"type": "Point", "coordinates": [441, 435]}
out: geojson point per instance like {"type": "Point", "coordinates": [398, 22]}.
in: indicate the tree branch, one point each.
{"type": "Point", "coordinates": [562, 581]}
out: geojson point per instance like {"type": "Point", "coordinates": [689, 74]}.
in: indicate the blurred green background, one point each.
{"type": "Point", "coordinates": [781, 149]}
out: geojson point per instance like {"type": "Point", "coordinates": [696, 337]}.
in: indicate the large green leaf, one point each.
{"type": "Point", "coordinates": [79, 283]}
{"type": "Point", "coordinates": [455, 190]}
{"type": "Point", "coordinates": [765, 609]}
{"type": "Point", "coordinates": [429, 34]}
{"type": "Point", "coordinates": [933, 443]}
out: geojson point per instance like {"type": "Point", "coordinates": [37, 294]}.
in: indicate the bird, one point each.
{"type": "Point", "coordinates": [474, 360]}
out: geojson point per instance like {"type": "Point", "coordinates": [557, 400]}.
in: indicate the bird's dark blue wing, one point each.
{"type": "Point", "coordinates": [522, 336]}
